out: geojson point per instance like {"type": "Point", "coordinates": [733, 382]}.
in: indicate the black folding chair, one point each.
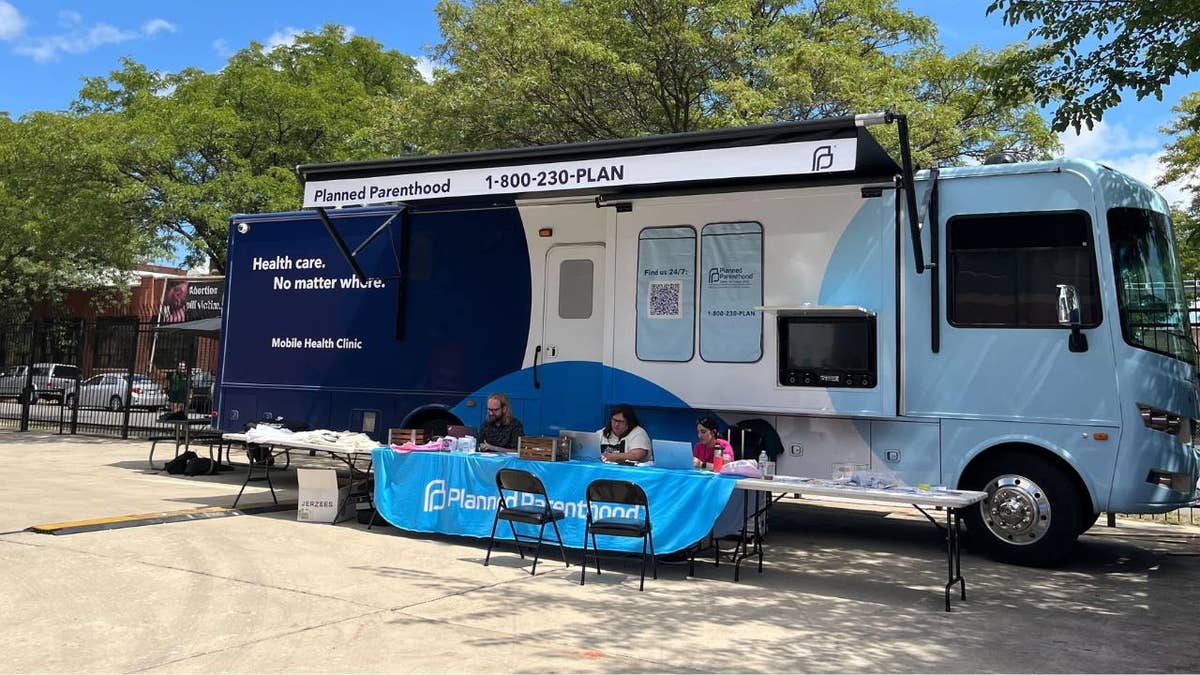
{"type": "Point", "coordinates": [618, 492]}
{"type": "Point", "coordinates": [519, 481]}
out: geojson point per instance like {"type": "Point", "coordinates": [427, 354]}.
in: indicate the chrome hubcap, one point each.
{"type": "Point", "coordinates": [1017, 510]}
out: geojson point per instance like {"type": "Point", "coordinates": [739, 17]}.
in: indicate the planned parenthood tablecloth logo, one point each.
{"type": "Point", "coordinates": [456, 494]}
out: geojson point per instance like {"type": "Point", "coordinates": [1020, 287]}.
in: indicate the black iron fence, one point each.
{"type": "Point", "coordinates": [108, 377]}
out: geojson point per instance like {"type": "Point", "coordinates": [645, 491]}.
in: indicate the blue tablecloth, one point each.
{"type": "Point", "coordinates": [456, 494]}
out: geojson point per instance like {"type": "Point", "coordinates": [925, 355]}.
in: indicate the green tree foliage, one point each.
{"type": "Point", "coordinates": [1187, 240]}
{"type": "Point", "coordinates": [62, 225]}
{"type": "Point", "coordinates": [1092, 50]}
{"type": "Point", "coordinates": [194, 147]}
{"type": "Point", "coordinates": [1181, 158]}
{"type": "Point", "coordinates": [533, 72]}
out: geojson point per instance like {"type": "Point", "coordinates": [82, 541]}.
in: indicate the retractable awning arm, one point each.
{"type": "Point", "coordinates": [906, 177]}
{"type": "Point", "coordinates": [352, 256]}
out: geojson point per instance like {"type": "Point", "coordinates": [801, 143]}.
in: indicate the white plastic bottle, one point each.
{"type": "Point", "coordinates": [765, 465]}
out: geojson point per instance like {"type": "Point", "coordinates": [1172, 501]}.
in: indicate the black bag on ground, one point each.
{"type": "Point", "coordinates": [179, 464]}
{"type": "Point", "coordinates": [259, 454]}
{"type": "Point", "coordinates": [200, 466]}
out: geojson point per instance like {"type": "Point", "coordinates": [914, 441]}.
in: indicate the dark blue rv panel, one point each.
{"type": "Point", "coordinates": [303, 339]}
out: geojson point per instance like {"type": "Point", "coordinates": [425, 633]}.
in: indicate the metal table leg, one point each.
{"type": "Point", "coordinates": [954, 555]}
{"type": "Point", "coordinates": [749, 547]}
{"type": "Point", "coordinates": [269, 455]}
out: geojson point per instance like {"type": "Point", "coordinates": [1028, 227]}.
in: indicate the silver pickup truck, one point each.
{"type": "Point", "coordinates": [50, 380]}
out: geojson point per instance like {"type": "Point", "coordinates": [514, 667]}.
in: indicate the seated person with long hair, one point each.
{"type": "Point", "coordinates": [500, 430]}
{"type": "Point", "coordinates": [709, 444]}
{"type": "Point", "coordinates": [623, 440]}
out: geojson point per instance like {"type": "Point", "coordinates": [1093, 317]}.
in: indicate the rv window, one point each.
{"type": "Point", "coordinates": [1005, 269]}
{"type": "Point", "coordinates": [575, 289]}
{"type": "Point", "coordinates": [666, 294]}
{"type": "Point", "coordinates": [731, 258]}
{"type": "Point", "coordinates": [1150, 294]}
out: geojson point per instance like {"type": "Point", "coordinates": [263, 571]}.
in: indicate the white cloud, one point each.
{"type": "Point", "coordinates": [80, 39]}
{"type": "Point", "coordinates": [287, 36]}
{"type": "Point", "coordinates": [12, 24]}
{"type": "Point", "coordinates": [1138, 154]}
{"type": "Point", "coordinates": [157, 25]}
{"type": "Point", "coordinates": [425, 68]}
{"type": "Point", "coordinates": [67, 18]}
{"type": "Point", "coordinates": [221, 47]}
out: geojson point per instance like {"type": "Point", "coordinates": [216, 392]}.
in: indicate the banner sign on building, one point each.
{"type": "Point", "coordinates": [189, 299]}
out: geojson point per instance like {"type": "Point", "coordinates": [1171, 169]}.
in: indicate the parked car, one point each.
{"type": "Point", "coordinates": [50, 381]}
{"type": "Point", "coordinates": [202, 388]}
{"type": "Point", "coordinates": [107, 390]}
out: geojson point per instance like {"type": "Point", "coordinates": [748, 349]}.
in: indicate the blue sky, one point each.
{"type": "Point", "coordinates": [48, 46]}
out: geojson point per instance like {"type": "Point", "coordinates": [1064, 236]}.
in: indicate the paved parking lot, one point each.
{"type": "Point", "coordinates": [844, 590]}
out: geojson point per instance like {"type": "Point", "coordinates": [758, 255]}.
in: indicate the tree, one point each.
{"type": "Point", "coordinates": [1095, 49]}
{"type": "Point", "coordinates": [61, 225]}
{"type": "Point", "coordinates": [533, 72]}
{"type": "Point", "coordinates": [1181, 157]}
{"type": "Point", "coordinates": [1187, 240]}
{"type": "Point", "coordinates": [193, 147]}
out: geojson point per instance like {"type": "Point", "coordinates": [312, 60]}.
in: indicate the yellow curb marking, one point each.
{"type": "Point", "coordinates": [50, 527]}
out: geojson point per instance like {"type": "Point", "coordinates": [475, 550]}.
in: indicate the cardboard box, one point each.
{"type": "Point", "coordinates": [544, 448]}
{"type": "Point", "coordinates": [321, 496]}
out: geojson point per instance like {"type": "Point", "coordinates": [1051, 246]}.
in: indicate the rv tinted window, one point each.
{"type": "Point", "coordinates": [1004, 269]}
{"type": "Point", "coordinates": [575, 289]}
{"type": "Point", "coordinates": [666, 294]}
{"type": "Point", "coordinates": [731, 287]}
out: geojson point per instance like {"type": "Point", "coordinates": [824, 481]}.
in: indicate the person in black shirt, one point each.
{"type": "Point", "coordinates": [500, 430]}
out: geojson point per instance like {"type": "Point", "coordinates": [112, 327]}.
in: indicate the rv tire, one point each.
{"type": "Point", "coordinates": [1031, 516]}
{"type": "Point", "coordinates": [1087, 519]}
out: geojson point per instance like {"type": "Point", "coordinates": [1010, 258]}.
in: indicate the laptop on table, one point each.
{"type": "Point", "coordinates": [673, 455]}
{"type": "Point", "coordinates": [585, 445]}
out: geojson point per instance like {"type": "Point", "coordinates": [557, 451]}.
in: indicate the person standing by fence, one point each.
{"type": "Point", "coordinates": [179, 390]}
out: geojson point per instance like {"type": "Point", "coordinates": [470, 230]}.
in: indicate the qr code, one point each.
{"type": "Point", "coordinates": [664, 300]}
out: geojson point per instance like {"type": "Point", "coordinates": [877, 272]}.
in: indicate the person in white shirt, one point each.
{"type": "Point", "coordinates": [623, 440]}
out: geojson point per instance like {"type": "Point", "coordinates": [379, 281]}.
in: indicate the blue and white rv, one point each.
{"type": "Point", "coordinates": [1013, 327]}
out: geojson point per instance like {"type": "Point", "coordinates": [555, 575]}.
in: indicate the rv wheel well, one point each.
{"type": "Point", "coordinates": [432, 418]}
{"type": "Point", "coordinates": [1011, 450]}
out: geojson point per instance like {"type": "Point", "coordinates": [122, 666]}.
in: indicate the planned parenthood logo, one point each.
{"type": "Point", "coordinates": [822, 158]}
{"type": "Point", "coordinates": [438, 497]}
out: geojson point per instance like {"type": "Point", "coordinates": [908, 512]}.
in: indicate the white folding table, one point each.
{"type": "Point", "coordinates": [952, 501]}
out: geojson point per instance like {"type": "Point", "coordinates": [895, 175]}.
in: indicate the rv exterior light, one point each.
{"type": "Point", "coordinates": [546, 232]}
{"type": "Point", "coordinates": [243, 228]}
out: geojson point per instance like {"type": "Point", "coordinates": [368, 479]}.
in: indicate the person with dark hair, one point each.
{"type": "Point", "coordinates": [179, 390]}
{"type": "Point", "coordinates": [623, 440]}
{"type": "Point", "coordinates": [709, 444]}
{"type": "Point", "coordinates": [500, 430]}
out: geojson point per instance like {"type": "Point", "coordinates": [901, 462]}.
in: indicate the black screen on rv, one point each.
{"type": "Point", "coordinates": [828, 351]}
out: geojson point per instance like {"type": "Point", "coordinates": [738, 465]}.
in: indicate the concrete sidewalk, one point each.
{"type": "Point", "coordinates": [843, 590]}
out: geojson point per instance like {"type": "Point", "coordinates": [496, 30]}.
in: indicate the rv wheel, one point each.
{"type": "Point", "coordinates": [1031, 514]}
{"type": "Point", "coordinates": [435, 427]}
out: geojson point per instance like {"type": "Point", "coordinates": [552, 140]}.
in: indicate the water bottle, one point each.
{"type": "Point", "coordinates": [718, 460]}
{"type": "Point", "coordinates": [764, 464]}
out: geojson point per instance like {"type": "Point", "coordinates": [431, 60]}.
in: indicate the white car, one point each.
{"type": "Point", "coordinates": [108, 391]}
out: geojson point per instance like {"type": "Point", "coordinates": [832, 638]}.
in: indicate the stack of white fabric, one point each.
{"type": "Point", "coordinates": [346, 440]}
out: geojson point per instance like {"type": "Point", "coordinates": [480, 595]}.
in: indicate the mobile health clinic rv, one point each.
{"type": "Point", "coordinates": [1018, 328]}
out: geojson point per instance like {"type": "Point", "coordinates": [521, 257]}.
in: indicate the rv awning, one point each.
{"type": "Point", "coordinates": [212, 326]}
{"type": "Point", "coordinates": [820, 149]}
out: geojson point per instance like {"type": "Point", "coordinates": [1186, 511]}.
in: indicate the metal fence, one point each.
{"type": "Point", "coordinates": [107, 377]}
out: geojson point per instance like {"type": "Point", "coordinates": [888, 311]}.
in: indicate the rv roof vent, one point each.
{"type": "Point", "coordinates": [1001, 158]}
